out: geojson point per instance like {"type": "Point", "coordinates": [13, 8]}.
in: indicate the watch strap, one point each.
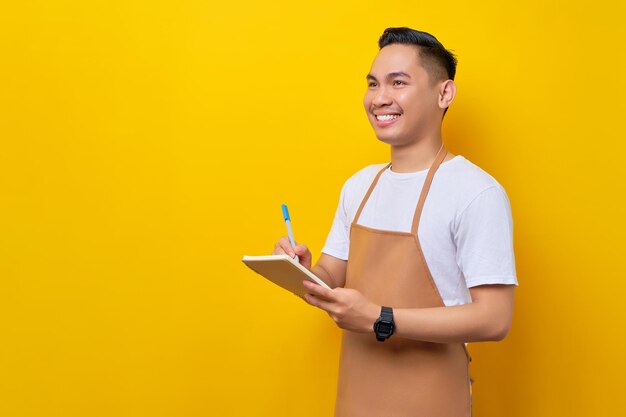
{"type": "Point", "coordinates": [386, 313]}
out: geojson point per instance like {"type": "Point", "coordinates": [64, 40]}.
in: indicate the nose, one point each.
{"type": "Point", "coordinates": [381, 97]}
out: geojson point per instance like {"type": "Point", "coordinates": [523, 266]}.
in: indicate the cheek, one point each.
{"type": "Point", "coordinates": [410, 99]}
{"type": "Point", "coordinates": [367, 101]}
{"type": "Point", "coordinates": [412, 106]}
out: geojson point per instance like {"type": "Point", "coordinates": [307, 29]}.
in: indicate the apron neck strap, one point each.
{"type": "Point", "coordinates": [369, 191]}
{"type": "Point", "coordinates": [429, 179]}
{"type": "Point", "coordinates": [420, 205]}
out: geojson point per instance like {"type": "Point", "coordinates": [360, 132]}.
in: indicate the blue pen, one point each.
{"type": "Point", "coordinates": [292, 240]}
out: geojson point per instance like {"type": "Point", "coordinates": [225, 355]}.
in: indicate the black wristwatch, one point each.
{"type": "Point", "coordinates": [384, 325]}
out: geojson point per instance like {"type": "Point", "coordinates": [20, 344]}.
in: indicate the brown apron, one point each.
{"type": "Point", "coordinates": [398, 377]}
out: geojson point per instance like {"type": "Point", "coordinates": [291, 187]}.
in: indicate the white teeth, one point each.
{"type": "Point", "coordinates": [383, 117]}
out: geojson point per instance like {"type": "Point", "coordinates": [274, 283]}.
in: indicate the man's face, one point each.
{"type": "Point", "coordinates": [400, 102]}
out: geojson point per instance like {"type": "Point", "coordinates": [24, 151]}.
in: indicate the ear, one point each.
{"type": "Point", "coordinates": [447, 92]}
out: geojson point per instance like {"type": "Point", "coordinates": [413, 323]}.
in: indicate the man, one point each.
{"type": "Point", "coordinates": [420, 254]}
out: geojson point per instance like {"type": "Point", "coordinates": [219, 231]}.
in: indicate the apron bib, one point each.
{"type": "Point", "coordinates": [399, 377]}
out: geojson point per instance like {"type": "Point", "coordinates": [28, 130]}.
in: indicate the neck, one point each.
{"type": "Point", "coordinates": [416, 156]}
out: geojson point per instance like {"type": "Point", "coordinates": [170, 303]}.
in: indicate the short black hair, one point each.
{"type": "Point", "coordinates": [437, 60]}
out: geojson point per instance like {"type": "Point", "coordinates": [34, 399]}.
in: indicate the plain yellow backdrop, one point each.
{"type": "Point", "coordinates": [147, 145]}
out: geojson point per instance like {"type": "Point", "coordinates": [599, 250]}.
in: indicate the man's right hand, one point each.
{"type": "Point", "coordinates": [284, 247]}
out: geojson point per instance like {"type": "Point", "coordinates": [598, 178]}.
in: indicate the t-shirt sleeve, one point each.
{"type": "Point", "coordinates": [338, 240]}
{"type": "Point", "coordinates": [484, 239]}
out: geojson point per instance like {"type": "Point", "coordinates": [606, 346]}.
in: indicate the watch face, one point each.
{"type": "Point", "coordinates": [384, 327]}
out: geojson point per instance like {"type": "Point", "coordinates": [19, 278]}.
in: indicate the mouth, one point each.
{"type": "Point", "coordinates": [386, 119]}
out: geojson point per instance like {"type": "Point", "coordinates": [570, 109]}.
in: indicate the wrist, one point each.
{"type": "Point", "coordinates": [372, 316]}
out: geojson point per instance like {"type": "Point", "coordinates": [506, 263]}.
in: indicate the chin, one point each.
{"type": "Point", "coordinates": [389, 136]}
{"type": "Point", "coordinates": [389, 139]}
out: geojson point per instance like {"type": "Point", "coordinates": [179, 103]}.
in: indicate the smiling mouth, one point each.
{"type": "Point", "coordinates": [386, 117]}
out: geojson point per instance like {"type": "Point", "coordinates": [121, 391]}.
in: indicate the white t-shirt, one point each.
{"type": "Point", "coordinates": [466, 228]}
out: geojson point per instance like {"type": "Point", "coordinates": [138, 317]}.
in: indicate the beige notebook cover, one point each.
{"type": "Point", "coordinates": [284, 271]}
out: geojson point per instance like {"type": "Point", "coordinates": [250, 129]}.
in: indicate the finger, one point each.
{"type": "Point", "coordinates": [301, 249]}
{"type": "Point", "coordinates": [285, 246]}
{"type": "Point", "coordinates": [304, 255]}
{"type": "Point", "coordinates": [318, 302]}
{"type": "Point", "coordinates": [318, 290]}
{"type": "Point", "coordinates": [278, 250]}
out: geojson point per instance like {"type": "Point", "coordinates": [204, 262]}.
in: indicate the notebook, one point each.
{"type": "Point", "coordinates": [283, 271]}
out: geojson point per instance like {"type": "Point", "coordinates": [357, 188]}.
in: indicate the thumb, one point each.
{"type": "Point", "coordinates": [304, 255]}
{"type": "Point", "coordinates": [301, 249]}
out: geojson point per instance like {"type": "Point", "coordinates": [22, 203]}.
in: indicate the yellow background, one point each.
{"type": "Point", "coordinates": [146, 146]}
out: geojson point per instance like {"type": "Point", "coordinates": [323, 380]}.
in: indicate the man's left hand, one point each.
{"type": "Point", "coordinates": [346, 306]}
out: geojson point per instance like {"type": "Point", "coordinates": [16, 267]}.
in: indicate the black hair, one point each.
{"type": "Point", "coordinates": [440, 64]}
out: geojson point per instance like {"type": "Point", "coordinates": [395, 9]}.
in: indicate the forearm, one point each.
{"type": "Point", "coordinates": [465, 323]}
{"type": "Point", "coordinates": [323, 274]}
{"type": "Point", "coordinates": [488, 317]}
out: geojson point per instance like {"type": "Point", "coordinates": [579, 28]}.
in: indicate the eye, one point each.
{"type": "Point", "coordinates": [371, 84]}
{"type": "Point", "coordinates": [398, 81]}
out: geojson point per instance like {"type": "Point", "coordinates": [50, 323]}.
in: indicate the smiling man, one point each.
{"type": "Point", "coordinates": [420, 254]}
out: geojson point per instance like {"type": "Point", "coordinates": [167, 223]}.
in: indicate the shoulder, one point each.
{"type": "Point", "coordinates": [470, 175]}
{"type": "Point", "coordinates": [363, 177]}
{"type": "Point", "coordinates": [460, 184]}
{"type": "Point", "coordinates": [365, 174]}
{"type": "Point", "coordinates": [473, 192]}
{"type": "Point", "coordinates": [355, 187]}
{"type": "Point", "coordinates": [466, 180]}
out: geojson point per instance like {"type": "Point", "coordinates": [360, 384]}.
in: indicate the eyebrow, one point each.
{"type": "Point", "coordinates": [389, 76]}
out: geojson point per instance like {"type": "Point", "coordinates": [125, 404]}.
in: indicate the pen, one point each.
{"type": "Point", "coordinates": [292, 240]}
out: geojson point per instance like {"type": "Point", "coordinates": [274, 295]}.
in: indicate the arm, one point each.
{"type": "Point", "coordinates": [488, 317]}
{"type": "Point", "coordinates": [332, 270]}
